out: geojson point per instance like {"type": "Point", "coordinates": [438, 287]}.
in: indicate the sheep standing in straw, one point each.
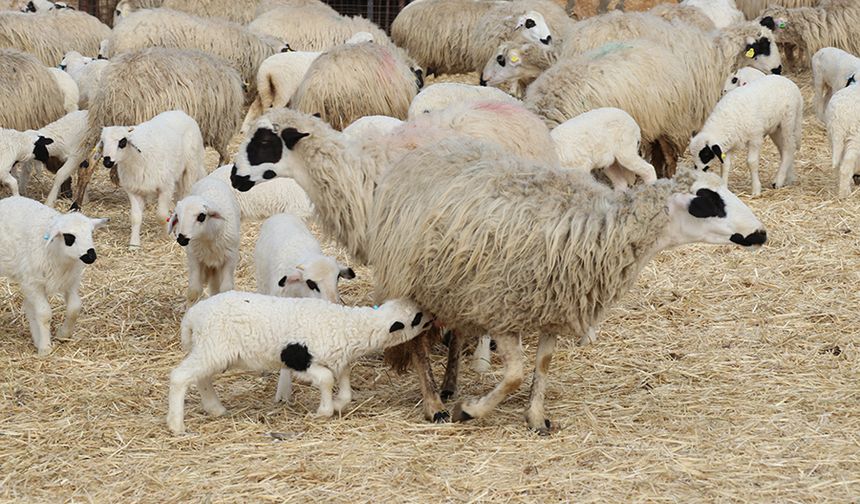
{"type": "Point", "coordinates": [49, 35]}
{"type": "Point", "coordinates": [29, 94]}
{"type": "Point", "coordinates": [843, 129]}
{"type": "Point", "coordinates": [239, 11]}
{"type": "Point", "coordinates": [833, 23]}
{"type": "Point", "coordinates": [832, 70]}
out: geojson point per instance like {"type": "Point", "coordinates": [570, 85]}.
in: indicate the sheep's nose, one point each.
{"type": "Point", "coordinates": [757, 238]}
{"type": "Point", "coordinates": [482, 81]}
{"type": "Point", "coordinates": [89, 257]}
{"type": "Point", "coordinates": [546, 40]}
{"type": "Point", "coordinates": [777, 70]}
{"type": "Point", "coordinates": [108, 162]}
{"type": "Point", "coordinates": [182, 240]}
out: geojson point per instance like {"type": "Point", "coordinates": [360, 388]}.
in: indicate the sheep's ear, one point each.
{"type": "Point", "coordinates": [171, 223]}
{"type": "Point", "coordinates": [417, 319]}
{"type": "Point", "coordinates": [768, 23]}
{"type": "Point", "coordinates": [396, 327]}
{"type": "Point", "coordinates": [291, 137]}
{"type": "Point", "coordinates": [346, 273]}
{"type": "Point", "coordinates": [133, 146]}
{"type": "Point", "coordinates": [99, 223]}
{"type": "Point", "coordinates": [317, 115]}
{"type": "Point", "coordinates": [283, 281]}
{"type": "Point", "coordinates": [215, 214]}
{"type": "Point", "coordinates": [718, 153]}
{"type": "Point", "coordinates": [851, 80]}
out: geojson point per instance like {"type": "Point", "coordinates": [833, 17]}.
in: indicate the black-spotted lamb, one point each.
{"type": "Point", "coordinates": [843, 129]}
{"type": "Point", "coordinates": [316, 340]}
{"type": "Point", "coordinates": [265, 200]}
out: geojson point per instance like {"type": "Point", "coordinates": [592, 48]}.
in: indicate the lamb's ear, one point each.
{"type": "Point", "coordinates": [283, 281]}
{"type": "Point", "coordinates": [317, 115]}
{"type": "Point", "coordinates": [215, 214]}
{"type": "Point", "coordinates": [291, 137]}
{"type": "Point", "coordinates": [851, 80]}
{"type": "Point", "coordinates": [133, 146]}
{"type": "Point", "coordinates": [718, 153]}
{"type": "Point", "coordinates": [705, 155]}
{"type": "Point", "coordinates": [396, 327]}
{"type": "Point", "coordinates": [707, 203]}
{"type": "Point", "coordinates": [99, 223]}
{"type": "Point", "coordinates": [346, 273]}
{"type": "Point", "coordinates": [417, 319]}
{"type": "Point", "coordinates": [768, 23]}
{"type": "Point", "coordinates": [171, 223]}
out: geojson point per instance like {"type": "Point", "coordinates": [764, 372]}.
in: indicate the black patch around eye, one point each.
{"type": "Point", "coordinates": [761, 47]}
{"type": "Point", "coordinates": [296, 357]}
{"type": "Point", "coordinates": [768, 23]}
{"type": "Point", "coordinates": [706, 155]}
{"type": "Point", "coordinates": [122, 143]}
{"type": "Point", "coordinates": [734, 80]}
{"type": "Point", "coordinates": [707, 203]}
{"type": "Point", "coordinates": [312, 285]}
{"type": "Point", "coordinates": [396, 327]}
{"type": "Point", "coordinates": [530, 23]}
{"type": "Point", "coordinates": [201, 217]}
{"type": "Point", "coordinates": [292, 136]}
{"type": "Point", "coordinates": [69, 239]}
{"type": "Point", "coordinates": [417, 319]}
{"type": "Point", "coordinates": [264, 147]}
{"type": "Point", "coordinates": [282, 282]}
{"type": "Point", "coordinates": [500, 59]}
{"type": "Point", "coordinates": [851, 80]}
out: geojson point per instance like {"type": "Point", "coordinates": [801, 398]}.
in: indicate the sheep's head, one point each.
{"type": "Point", "coordinates": [193, 217]}
{"type": "Point", "coordinates": [403, 320]}
{"type": "Point", "coordinates": [505, 66]}
{"type": "Point", "coordinates": [71, 236]}
{"type": "Point", "coordinates": [116, 144]}
{"type": "Point", "coordinates": [533, 28]}
{"type": "Point", "coordinates": [316, 278]}
{"type": "Point", "coordinates": [702, 209]}
{"type": "Point", "coordinates": [123, 9]}
{"type": "Point", "coordinates": [741, 78]}
{"type": "Point", "coordinates": [73, 61]}
{"type": "Point", "coordinates": [39, 6]}
{"type": "Point", "coordinates": [761, 51]}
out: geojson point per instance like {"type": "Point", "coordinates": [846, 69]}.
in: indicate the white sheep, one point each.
{"type": "Point", "coordinates": [843, 129]}
{"type": "Point", "coordinates": [439, 96]}
{"type": "Point", "coordinates": [68, 87]}
{"type": "Point", "coordinates": [208, 223]}
{"type": "Point", "coordinates": [605, 138]}
{"type": "Point", "coordinates": [86, 72]}
{"type": "Point", "coordinates": [371, 127]}
{"type": "Point", "coordinates": [722, 12]}
{"type": "Point", "coordinates": [832, 68]}
{"type": "Point", "coordinates": [741, 78]}
{"type": "Point", "coordinates": [73, 61]}
{"type": "Point", "coordinates": [15, 147]}
{"type": "Point", "coordinates": [315, 339]}
{"type": "Point", "coordinates": [45, 252]}
{"type": "Point", "coordinates": [44, 5]}
{"type": "Point", "coordinates": [771, 106]}
{"type": "Point", "coordinates": [265, 200]}
{"type": "Point", "coordinates": [162, 157]}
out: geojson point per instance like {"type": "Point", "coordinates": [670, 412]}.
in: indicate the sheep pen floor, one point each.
{"type": "Point", "coordinates": [723, 375]}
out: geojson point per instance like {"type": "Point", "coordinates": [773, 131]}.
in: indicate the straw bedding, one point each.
{"type": "Point", "coordinates": [725, 375]}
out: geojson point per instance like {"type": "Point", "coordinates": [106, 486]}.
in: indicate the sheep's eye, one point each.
{"type": "Point", "coordinates": [500, 59]}
{"type": "Point", "coordinates": [530, 23]}
{"type": "Point", "coordinates": [201, 217]}
{"type": "Point", "coordinates": [123, 143]}
{"type": "Point", "coordinates": [312, 285]}
{"type": "Point", "coordinates": [69, 238]}
{"type": "Point", "coordinates": [734, 80]}
{"type": "Point", "coordinates": [118, 13]}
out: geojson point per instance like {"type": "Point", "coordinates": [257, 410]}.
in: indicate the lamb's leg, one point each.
{"type": "Point", "coordinates": [726, 168]}
{"type": "Point", "coordinates": [615, 174]}
{"type": "Point", "coordinates": [670, 159]}
{"type": "Point", "coordinates": [482, 359]}
{"type": "Point", "coordinates": [847, 170]}
{"type": "Point", "coordinates": [344, 390]}
{"type": "Point", "coordinates": [535, 416]}
{"type": "Point", "coordinates": [254, 111]}
{"type": "Point", "coordinates": [73, 309]}
{"type": "Point", "coordinates": [208, 397]}
{"type": "Point", "coordinates": [753, 154]}
{"type": "Point", "coordinates": [786, 145]}
{"type": "Point", "coordinates": [434, 409]}
{"type": "Point", "coordinates": [196, 278]}
{"type": "Point", "coordinates": [323, 379]}
{"type": "Point", "coordinates": [285, 386]}
{"type": "Point", "coordinates": [511, 352]}
{"type": "Point", "coordinates": [86, 168]}
{"type": "Point", "coordinates": [25, 170]}
{"type": "Point", "coordinates": [629, 159]}
{"type": "Point", "coordinates": [226, 280]}
{"type": "Point", "coordinates": [63, 174]}
{"type": "Point", "coordinates": [38, 311]}
{"type": "Point", "coordinates": [136, 215]}
{"type": "Point", "coordinates": [452, 369]}
{"type": "Point", "coordinates": [188, 371]}
{"type": "Point", "coordinates": [165, 199]}
{"type": "Point", "coordinates": [11, 183]}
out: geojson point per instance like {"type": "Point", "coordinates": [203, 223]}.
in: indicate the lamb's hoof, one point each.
{"type": "Point", "coordinates": [856, 179]}
{"type": "Point", "coordinates": [459, 415]}
{"type": "Point", "coordinates": [133, 248]}
{"type": "Point", "coordinates": [441, 417]}
{"type": "Point", "coordinates": [446, 395]}
{"type": "Point", "coordinates": [545, 430]}
{"type": "Point", "coordinates": [177, 427]}
{"type": "Point", "coordinates": [216, 411]}
{"type": "Point", "coordinates": [45, 351]}
{"type": "Point", "coordinates": [75, 207]}
{"type": "Point", "coordinates": [492, 345]}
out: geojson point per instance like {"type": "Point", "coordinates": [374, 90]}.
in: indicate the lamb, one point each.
{"type": "Point", "coordinates": [88, 78]}
{"type": "Point", "coordinates": [265, 200]}
{"type": "Point", "coordinates": [208, 223]}
{"type": "Point", "coordinates": [315, 339]}
{"type": "Point", "coordinates": [73, 62]}
{"type": "Point", "coordinates": [49, 35]}
{"type": "Point", "coordinates": [806, 30]}
{"type": "Point", "coordinates": [770, 106]}
{"type": "Point", "coordinates": [239, 11]}
{"type": "Point", "coordinates": [137, 86]}
{"type": "Point", "coordinates": [741, 78]}
{"type": "Point", "coordinates": [68, 87]}
{"type": "Point", "coordinates": [722, 13]}
{"type": "Point", "coordinates": [843, 130]}
{"type": "Point", "coordinates": [831, 70]}
{"type": "Point", "coordinates": [45, 253]}
{"type": "Point", "coordinates": [162, 157]}
{"type": "Point", "coordinates": [604, 138]}
{"type": "Point", "coordinates": [44, 5]}
{"type": "Point", "coordinates": [439, 96]}
{"type": "Point", "coordinates": [15, 147]}
{"type": "Point", "coordinates": [29, 95]}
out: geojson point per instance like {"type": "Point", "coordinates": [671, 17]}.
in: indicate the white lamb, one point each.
{"type": "Point", "coordinates": [69, 88]}
{"type": "Point", "coordinates": [604, 138]}
{"type": "Point", "coordinates": [86, 72]}
{"type": "Point", "coordinates": [369, 127]}
{"type": "Point", "coordinates": [162, 157]}
{"type": "Point", "coordinates": [15, 147]}
{"type": "Point", "coordinates": [843, 129]}
{"type": "Point", "coordinates": [45, 252]}
{"type": "Point", "coordinates": [722, 12]}
{"type": "Point", "coordinates": [279, 195]}
{"type": "Point", "coordinates": [771, 106]}
{"type": "Point", "coordinates": [741, 78]}
{"type": "Point", "coordinates": [439, 96]}
{"type": "Point", "coordinates": [315, 339]}
{"type": "Point", "coordinates": [832, 69]}
{"type": "Point", "coordinates": [208, 223]}
{"type": "Point", "coordinates": [73, 61]}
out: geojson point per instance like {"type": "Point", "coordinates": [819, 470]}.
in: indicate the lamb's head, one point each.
{"type": "Point", "coordinates": [123, 9]}
{"type": "Point", "coordinates": [116, 145]}
{"type": "Point", "coordinates": [73, 61]}
{"type": "Point", "coordinates": [38, 6]}
{"type": "Point", "coordinates": [741, 78]}
{"type": "Point", "coordinates": [404, 320]}
{"type": "Point", "coordinates": [22, 146]}
{"type": "Point", "coordinates": [778, 19]}
{"type": "Point", "coordinates": [760, 50]}
{"type": "Point", "coordinates": [193, 217]}
{"type": "Point", "coordinates": [702, 209]}
{"type": "Point", "coordinates": [316, 278]}
{"type": "Point", "coordinates": [706, 152]}
{"type": "Point", "coordinates": [70, 237]}
{"type": "Point", "coordinates": [533, 28]}
{"type": "Point", "coordinates": [104, 49]}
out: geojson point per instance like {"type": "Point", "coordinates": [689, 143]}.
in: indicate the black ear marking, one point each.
{"type": "Point", "coordinates": [718, 152]}
{"type": "Point", "coordinates": [396, 327]}
{"type": "Point", "coordinates": [317, 115]}
{"type": "Point", "coordinates": [296, 356]}
{"type": "Point", "coordinates": [264, 147]}
{"type": "Point", "coordinates": [417, 319]}
{"type": "Point", "coordinates": [282, 282]}
{"type": "Point", "coordinates": [705, 155]}
{"type": "Point", "coordinates": [707, 203]}
{"type": "Point", "coordinates": [292, 136]}
{"type": "Point", "coordinates": [851, 80]}
{"type": "Point", "coordinates": [419, 77]}
{"type": "Point", "coordinates": [768, 23]}
{"type": "Point", "coordinates": [40, 150]}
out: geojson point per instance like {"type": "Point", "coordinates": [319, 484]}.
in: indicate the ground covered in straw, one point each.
{"type": "Point", "coordinates": [724, 375]}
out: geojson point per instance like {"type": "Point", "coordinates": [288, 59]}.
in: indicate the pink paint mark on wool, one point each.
{"type": "Point", "coordinates": [499, 107]}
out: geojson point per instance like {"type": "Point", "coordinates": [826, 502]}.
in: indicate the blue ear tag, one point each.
{"type": "Point", "coordinates": [375, 307]}
{"type": "Point", "coordinates": [46, 237]}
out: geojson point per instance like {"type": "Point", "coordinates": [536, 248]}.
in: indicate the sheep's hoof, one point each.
{"type": "Point", "coordinates": [856, 179]}
{"type": "Point", "coordinates": [441, 417]}
{"type": "Point", "coordinates": [493, 345]}
{"type": "Point", "coordinates": [459, 415]}
{"type": "Point", "coordinates": [133, 248]}
{"type": "Point", "coordinates": [45, 351]}
{"type": "Point", "coordinates": [446, 395]}
{"type": "Point", "coordinates": [545, 430]}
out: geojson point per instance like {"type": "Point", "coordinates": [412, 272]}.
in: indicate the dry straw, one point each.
{"type": "Point", "coordinates": [725, 375]}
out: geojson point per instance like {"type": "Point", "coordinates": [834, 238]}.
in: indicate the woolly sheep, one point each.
{"type": "Point", "coordinates": [721, 12]}
{"type": "Point", "coordinates": [843, 130]}
{"type": "Point", "coordinates": [832, 70]}
{"type": "Point", "coordinates": [239, 11]}
{"type": "Point", "coordinates": [162, 157]}
{"type": "Point", "coordinates": [29, 95]}
{"type": "Point", "coordinates": [517, 64]}
{"type": "Point", "coordinates": [45, 253]}
{"type": "Point", "coordinates": [439, 96]}
{"type": "Point", "coordinates": [500, 222]}
{"type": "Point", "coordinates": [687, 15]}
{"type": "Point", "coordinates": [68, 87]}
{"type": "Point", "coordinates": [604, 138]}
{"type": "Point", "coordinates": [44, 5]}
{"type": "Point", "coordinates": [49, 35]}
{"type": "Point", "coordinates": [208, 223]}
{"type": "Point", "coordinates": [265, 200]}
{"type": "Point", "coordinates": [315, 339]}
{"type": "Point", "coordinates": [752, 9]}
{"type": "Point", "coordinates": [137, 86]}
{"type": "Point", "coordinates": [833, 23]}
{"type": "Point", "coordinates": [771, 106]}
{"type": "Point", "coordinates": [741, 78]}
{"type": "Point", "coordinates": [372, 127]}
{"type": "Point", "coordinates": [15, 147]}
{"type": "Point", "coordinates": [73, 62]}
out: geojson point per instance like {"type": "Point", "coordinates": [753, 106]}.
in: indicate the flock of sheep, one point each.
{"type": "Point", "coordinates": [522, 207]}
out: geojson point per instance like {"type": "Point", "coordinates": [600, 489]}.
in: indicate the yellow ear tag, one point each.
{"type": "Point", "coordinates": [723, 156]}
{"type": "Point", "coordinates": [750, 53]}
{"type": "Point", "coordinates": [514, 58]}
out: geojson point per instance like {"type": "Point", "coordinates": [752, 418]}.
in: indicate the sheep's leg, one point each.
{"type": "Point", "coordinates": [73, 309]}
{"type": "Point", "coordinates": [726, 168]}
{"type": "Point", "coordinates": [285, 386]}
{"type": "Point", "coordinates": [208, 397]}
{"type": "Point", "coordinates": [187, 372]}
{"type": "Point", "coordinates": [254, 111]}
{"type": "Point", "coordinates": [63, 174]}
{"type": "Point", "coordinates": [847, 170]}
{"type": "Point", "coordinates": [615, 174]}
{"type": "Point", "coordinates": [535, 416]}
{"type": "Point", "coordinates": [11, 183]}
{"type": "Point", "coordinates": [196, 281]}
{"type": "Point", "coordinates": [344, 390]}
{"type": "Point", "coordinates": [786, 147]}
{"type": "Point", "coordinates": [434, 409]}
{"type": "Point", "coordinates": [165, 199]}
{"type": "Point", "coordinates": [482, 359]}
{"type": "Point", "coordinates": [670, 159]}
{"type": "Point", "coordinates": [136, 215]}
{"type": "Point", "coordinates": [753, 155]}
{"type": "Point", "coordinates": [323, 379]}
{"type": "Point", "coordinates": [631, 160]}
{"type": "Point", "coordinates": [38, 311]}
{"type": "Point", "coordinates": [511, 351]}
{"type": "Point", "coordinates": [24, 172]}
{"type": "Point", "coordinates": [85, 173]}
{"type": "Point", "coordinates": [226, 280]}
{"type": "Point", "coordinates": [452, 369]}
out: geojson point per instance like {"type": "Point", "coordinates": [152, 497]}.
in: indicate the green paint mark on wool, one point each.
{"type": "Point", "coordinates": [609, 48]}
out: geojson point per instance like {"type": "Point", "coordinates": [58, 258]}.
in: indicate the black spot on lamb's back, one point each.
{"type": "Point", "coordinates": [265, 147]}
{"type": "Point", "coordinates": [296, 357]}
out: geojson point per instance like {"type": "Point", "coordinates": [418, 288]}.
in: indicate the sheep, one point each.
{"type": "Point", "coordinates": [87, 76]}
{"type": "Point", "coordinates": [29, 94]}
{"type": "Point", "coordinates": [741, 78]}
{"type": "Point", "coordinates": [208, 223]}
{"type": "Point", "coordinates": [136, 86]}
{"type": "Point", "coordinates": [73, 62]}
{"type": "Point", "coordinates": [752, 9]}
{"type": "Point", "coordinates": [162, 157]}
{"type": "Point", "coordinates": [380, 84]}
{"type": "Point", "coordinates": [369, 128]}
{"type": "Point", "coordinates": [168, 28]}
{"type": "Point", "coordinates": [44, 5]}
{"type": "Point", "coordinates": [518, 249]}
{"type": "Point", "coordinates": [239, 11]}
{"type": "Point", "coordinates": [68, 87]}
{"type": "Point", "coordinates": [517, 64]}
{"type": "Point", "coordinates": [49, 35]}
{"type": "Point", "coordinates": [770, 106]}
{"type": "Point", "coordinates": [831, 70]}
{"type": "Point", "coordinates": [45, 253]}
{"type": "Point", "coordinates": [688, 15]}
{"type": "Point", "coordinates": [315, 339]}
{"type": "Point", "coordinates": [722, 13]}
{"type": "Point", "coordinates": [439, 96]}
{"type": "Point", "coordinates": [15, 147]}
{"type": "Point", "coordinates": [806, 30]}
{"type": "Point", "coordinates": [843, 130]}
{"type": "Point", "coordinates": [604, 138]}
{"type": "Point", "coordinates": [265, 200]}
{"type": "Point", "coordinates": [267, 5]}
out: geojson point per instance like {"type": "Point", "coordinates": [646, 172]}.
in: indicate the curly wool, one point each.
{"type": "Point", "coordinates": [239, 11]}
{"type": "Point", "coordinates": [834, 23]}
{"type": "Point", "coordinates": [50, 34]}
{"type": "Point", "coordinates": [29, 94]}
{"type": "Point", "coordinates": [310, 28]}
{"type": "Point", "coordinates": [753, 8]}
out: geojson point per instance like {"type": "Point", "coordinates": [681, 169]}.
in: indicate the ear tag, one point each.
{"type": "Point", "coordinates": [750, 53]}
{"type": "Point", "coordinates": [781, 25]}
{"type": "Point", "coordinates": [375, 307]}
{"type": "Point", "coordinates": [46, 237]}
{"type": "Point", "coordinates": [723, 156]}
{"type": "Point", "coordinates": [515, 58]}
